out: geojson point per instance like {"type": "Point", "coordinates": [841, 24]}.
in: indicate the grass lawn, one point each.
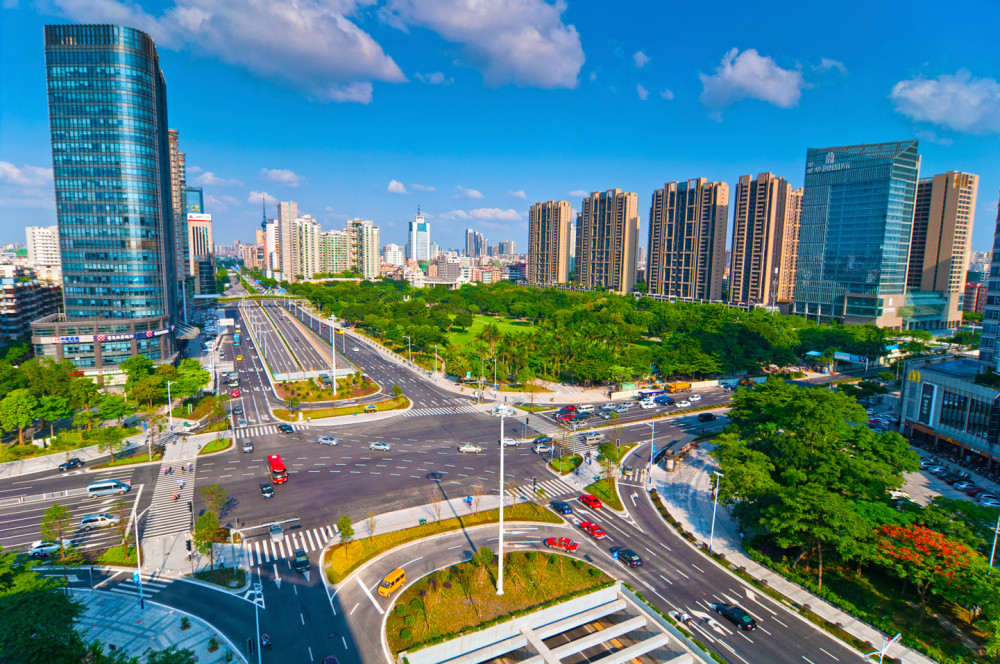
{"type": "Point", "coordinates": [200, 410]}
{"type": "Point", "coordinates": [215, 446]}
{"type": "Point", "coordinates": [524, 388]}
{"type": "Point", "coordinates": [463, 597]}
{"type": "Point", "coordinates": [118, 555]}
{"type": "Point", "coordinates": [528, 408]}
{"type": "Point", "coordinates": [605, 490]}
{"type": "Point", "coordinates": [65, 441]}
{"type": "Point", "coordinates": [506, 326]}
{"type": "Point", "coordinates": [342, 559]}
{"type": "Point", "coordinates": [391, 404]}
{"type": "Point", "coordinates": [313, 390]}
{"type": "Point", "coordinates": [566, 465]}
{"type": "Point", "coordinates": [225, 577]}
{"type": "Point", "coordinates": [138, 457]}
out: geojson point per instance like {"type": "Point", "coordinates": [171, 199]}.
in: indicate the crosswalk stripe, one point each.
{"type": "Point", "coordinates": [312, 544]}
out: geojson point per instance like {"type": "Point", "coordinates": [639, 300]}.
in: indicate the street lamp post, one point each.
{"type": "Point", "coordinates": [996, 532]}
{"type": "Point", "coordinates": [715, 508]}
{"type": "Point", "coordinates": [496, 385]}
{"type": "Point", "coordinates": [138, 557]}
{"type": "Point", "coordinates": [258, 593]}
{"type": "Point", "coordinates": [652, 448]}
{"type": "Point", "coordinates": [435, 358]}
{"type": "Point", "coordinates": [500, 557]}
{"type": "Point", "coordinates": [409, 353]}
{"type": "Point", "coordinates": [170, 411]}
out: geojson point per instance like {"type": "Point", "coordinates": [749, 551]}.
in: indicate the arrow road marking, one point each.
{"type": "Point", "coordinates": [277, 579]}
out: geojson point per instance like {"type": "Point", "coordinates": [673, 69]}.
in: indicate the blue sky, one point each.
{"type": "Point", "coordinates": [474, 109]}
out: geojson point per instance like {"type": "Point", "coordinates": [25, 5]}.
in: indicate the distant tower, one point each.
{"type": "Point", "coordinates": [263, 215]}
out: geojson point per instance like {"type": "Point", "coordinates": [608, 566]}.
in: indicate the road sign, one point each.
{"type": "Point", "coordinates": [614, 555]}
{"type": "Point", "coordinates": [654, 449]}
{"type": "Point", "coordinates": [234, 393]}
{"type": "Point", "coordinates": [144, 426]}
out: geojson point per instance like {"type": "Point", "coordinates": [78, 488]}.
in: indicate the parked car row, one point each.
{"type": "Point", "coordinates": [961, 481]}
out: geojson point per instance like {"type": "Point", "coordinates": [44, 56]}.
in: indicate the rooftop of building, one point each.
{"type": "Point", "coordinates": [956, 367]}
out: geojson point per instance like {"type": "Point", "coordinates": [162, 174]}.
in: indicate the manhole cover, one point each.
{"type": "Point", "coordinates": [331, 635]}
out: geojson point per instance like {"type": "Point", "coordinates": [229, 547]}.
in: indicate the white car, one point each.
{"type": "Point", "coordinates": [609, 406]}
{"type": "Point", "coordinates": [646, 405]}
{"type": "Point", "coordinates": [355, 349]}
{"type": "Point", "coordinates": [508, 442]}
{"type": "Point", "coordinates": [45, 548]}
{"type": "Point", "coordinates": [683, 404]}
{"type": "Point", "coordinates": [379, 446]}
{"type": "Point", "coordinates": [541, 448]}
{"type": "Point", "coordinates": [694, 397]}
{"type": "Point", "coordinates": [328, 440]}
{"type": "Point", "coordinates": [469, 448]}
{"type": "Point", "coordinates": [990, 502]}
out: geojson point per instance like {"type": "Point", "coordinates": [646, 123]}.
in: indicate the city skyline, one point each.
{"type": "Point", "coordinates": [469, 101]}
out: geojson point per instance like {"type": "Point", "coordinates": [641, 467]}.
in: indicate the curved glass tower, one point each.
{"type": "Point", "coordinates": [110, 153]}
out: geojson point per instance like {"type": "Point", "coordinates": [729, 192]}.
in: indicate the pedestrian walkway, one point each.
{"type": "Point", "coordinates": [265, 430]}
{"type": "Point", "coordinates": [126, 585]}
{"type": "Point", "coordinates": [170, 513]}
{"type": "Point", "coordinates": [264, 550]}
{"type": "Point", "coordinates": [444, 410]}
{"type": "Point", "coordinates": [115, 620]}
{"type": "Point", "coordinates": [553, 488]}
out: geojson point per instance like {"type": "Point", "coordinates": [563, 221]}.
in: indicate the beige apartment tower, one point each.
{"type": "Point", "coordinates": [607, 238]}
{"type": "Point", "coordinates": [764, 223]}
{"type": "Point", "coordinates": [549, 226]}
{"type": "Point", "coordinates": [178, 181]}
{"type": "Point", "coordinates": [939, 246]}
{"type": "Point", "coordinates": [687, 239]}
{"type": "Point", "coordinates": [288, 212]}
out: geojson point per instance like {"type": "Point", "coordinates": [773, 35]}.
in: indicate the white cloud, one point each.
{"type": "Point", "coordinates": [954, 101]}
{"type": "Point", "coordinates": [667, 94]}
{"type": "Point", "coordinates": [593, 76]}
{"type": "Point", "coordinates": [640, 59]}
{"type": "Point", "coordinates": [422, 187]}
{"type": "Point", "coordinates": [828, 64]}
{"type": "Point", "coordinates": [396, 187]}
{"type": "Point", "coordinates": [309, 45]}
{"type": "Point", "coordinates": [517, 194]}
{"type": "Point", "coordinates": [462, 192]}
{"type": "Point", "coordinates": [282, 176]}
{"type": "Point", "coordinates": [483, 214]}
{"type": "Point", "coordinates": [210, 179]}
{"type": "Point", "coordinates": [435, 78]}
{"type": "Point", "coordinates": [193, 169]}
{"type": "Point", "coordinates": [523, 42]}
{"type": "Point", "coordinates": [456, 214]}
{"type": "Point", "coordinates": [579, 193]}
{"type": "Point", "coordinates": [643, 92]}
{"type": "Point", "coordinates": [749, 75]}
{"type": "Point", "coordinates": [932, 137]}
{"type": "Point", "coordinates": [255, 197]}
{"type": "Point", "coordinates": [28, 176]}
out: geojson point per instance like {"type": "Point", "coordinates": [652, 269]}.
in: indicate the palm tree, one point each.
{"type": "Point", "coordinates": [490, 334]}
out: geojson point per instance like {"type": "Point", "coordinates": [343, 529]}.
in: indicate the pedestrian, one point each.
{"type": "Point", "coordinates": [190, 467]}
{"type": "Point", "coordinates": [176, 495]}
{"type": "Point", "coordinates": [182, 470]}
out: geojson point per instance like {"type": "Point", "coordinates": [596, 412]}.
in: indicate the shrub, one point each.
{"type": "Point", "coordinates": [532, 556]}
{"type": "Point", "coordinates": [595, 572]}
{"type": "Point", "coordinates": [409, 620]}
{"type": "Point", "coordinates": [401, 610]}
{"type": "Point", "coordinates": [405, 634]}
{"type": "Point", "coordinates": [416, 604]}
{"type": "Point", "coordinates": [578, 564]}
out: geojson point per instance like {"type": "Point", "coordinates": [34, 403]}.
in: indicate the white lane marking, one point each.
{"type": "Point", "coordinates": [413, 561]}
{"type": "Point", "coordinates": [697, 568]}
{"type": "Point", "coordinates": [377, 607]}
{"type": "Point", "coordinates": [836, 658]}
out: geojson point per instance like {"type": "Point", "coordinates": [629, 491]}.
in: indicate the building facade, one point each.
{"type": "Point", "coordinates": [288, 212]}
{"type": "Point", "coordinates": [111, 159]}
{"type": "Point", "coordinates": [418, 242]}
{"type": "Point", "coordinates": [393, 254]}
{"type": "Point", "coordinates": [790, 248]}
{"type": "Point", "coordinates": [363, 244]}
{"type": "Point", "coordinates": [942, 231]}
{"type": "Point", "coordinates": [43, 245]}
{"type": "Point", "coordinates": [607, 238]}
{"type": "Point", "coordinates": [333, 252]}
{"type": "Point", "coordinates": [178, 184]}
{"type": "Point", "coordinates": [975, 297]}
{"type": "Point", "coordinates": [991, 310]}
{"type": "Point", "coordinates": [199, 241]}
{"type": "Point", "coordinates": [194, 200]}
{"type": "Point", "coordinates": [687, 239]}
{"type": "Point", "coordinates": [24, 299]}
{"type": "Point", "coordinates": [762, 208]}
{"type": "Point", "coordinates": [508, 248]}
{"type": "Point", "coordinates": [854, 240]}
{"type": "Point", "coordinates": [475, 244]}
{"type": "Point", "coordinates": [549, 226]}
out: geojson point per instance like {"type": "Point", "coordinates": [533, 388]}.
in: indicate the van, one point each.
{"type": "Point", "coordinates": [393, 580]}
{"type": "Point", "coordinates": [93, 521]}
{"type": "Point", "coordinates": [107, 488]}
{"type": "Point", "coordinates": [586, 408]}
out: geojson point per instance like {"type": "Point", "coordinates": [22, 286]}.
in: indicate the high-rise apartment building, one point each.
{"type": "Point", "coordinates": [549, 227]}
{"type": "Point", "coordinates": [762, 208]}
{"type": "Point", "coordinates": [942, 229]}
{"type": "Point", "coordinates": [508, 247]}
{"type": "Point", "coordinates": [178, 184]}
{"type": "Point", "coordinates": [43, 245]}
{"type": "Point", "coordinates": [607, 237]}
{"type": "Point", "coordinates": [475, 244]}
{"type": "Point", "coordinates": [687, 239]}
{"type": "Point", "coordinates": [363, 247]}
{"type": "Point", "coordinates": [991, 310]}
{"type": "Point", "coordinates": [854, 240]}
{"type": "Point", "coordinates": [789, 260]}
{"type": "Point", "coordinates": [288, 212]}
{"type": "Point", "coordinates": [111, 159]}
{"type": "Point", "coordinates": [418, 242]}
{"type": "Point", "coordinates": [393, 254]}
{"type": "Point", "coordinates": [333, 252]}
{"type": "Point", "coordinates": [305, 247]}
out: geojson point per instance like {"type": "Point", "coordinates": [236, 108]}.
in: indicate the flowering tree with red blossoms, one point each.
{"type": "Point", "coordinates": [928, 559]}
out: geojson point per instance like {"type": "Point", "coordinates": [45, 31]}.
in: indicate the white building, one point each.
{"type": "Point", "coordinates": [363, 243]}
{"type": "Point", "coordinates": [199, 240]}
{"type": "Point", "coordinates": [418, 244]}
{"type": "Point", "coordinates": [43, 245]}
{"type": "Point", "coordinates": [393, 254]}
{"type": "Point", "coordinates": [272, 262]}
{"type": "Point", "coordinates": [333, 252]}
{"type": "Point", "coordinates": [305, 248]}
{"type": "Point", "coordinates": [288, 212]}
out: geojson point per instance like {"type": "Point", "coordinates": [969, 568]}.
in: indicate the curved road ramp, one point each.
{"type": "Point", "coordinates": [609, 626]}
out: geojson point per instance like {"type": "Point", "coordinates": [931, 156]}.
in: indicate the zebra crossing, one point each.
{"type": "Point", "coordinates": [262, 551]}
{"type": "Point", "coordinates": [166, 515]}
{"type": "Point", "coordinates": [442, 410]}
{"type": "Point", "coordinates": [129, 587]}
{"type": "Point", "coordinates": [553, 488]}
{"type": "Point", "coordinates": [265, 429]}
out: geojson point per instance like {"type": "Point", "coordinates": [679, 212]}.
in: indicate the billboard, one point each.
{"type": "Point", "coordinates": [847, 357]}
{"type": "Point", "coordinates": [925, 408]}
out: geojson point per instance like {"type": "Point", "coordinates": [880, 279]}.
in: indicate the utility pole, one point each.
{"type": "Point", "coordinates": [502, 501]}
{"type": "Point", "coordinates": [715, 508]}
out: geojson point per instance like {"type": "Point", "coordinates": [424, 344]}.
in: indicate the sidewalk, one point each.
{"type": "Point", "coordinates": [52, 461]}
{"type": "Point", "coordinates": [115, 621]}
{"type": "Point", "coordinates": [686, 495]}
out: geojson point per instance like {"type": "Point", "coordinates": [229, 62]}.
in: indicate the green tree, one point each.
{"type": "Point", "coordinates": [47, 377]}
{"type": "Point", "coordinates": [148, 390]}
{"type": "Point", "coordinates": [346, 528]}
{"type": "Point", "coordinates": [171, 655]}
{"type": "Point", "coordinates": [206, 532]}
{"type": "Point", "coordinates": [10, 378]}
{"type": "Point", "coordinates": [463, 320]}
{"type": "Point", "coordinates": [57, 525]}
{"type": "Point", "coordinates": [83, 394]}
{"type": "Point", "coordinates": [397, 391]}
{"type": "Point", "coordinates": [17, 410]}
{"type": "Point", "coordinates": [216, 496]}
{"type": "Point", "coordinates": [136, 368]}
{"type": "Point", "coordinates": [114, 407]}
{"type": "Point", "coordinates": [52, 408]}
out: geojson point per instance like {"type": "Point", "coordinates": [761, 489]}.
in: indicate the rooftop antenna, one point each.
{"type": "Point", "coordinates": [418, 209]}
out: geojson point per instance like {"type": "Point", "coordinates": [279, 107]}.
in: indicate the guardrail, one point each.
{"type": "Point", "coordinates": [24, 500]}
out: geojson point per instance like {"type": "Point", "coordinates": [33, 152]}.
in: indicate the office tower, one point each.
{"type": "Point", "coordinates": [288, 212]}
{"type": "Point", "coordinates": [363, 247]}
{"type": "Point", "coordinates": [475, 244]}
{"type": "Point", "coordinates": [178, 184]}
{"type": "Point", "coordinates": [508, 247]}
{"type": "Point", "coordinates": [201, 256]}
{"type": "Point", "coordinates": [272, 260]}
{"type": "Point", "coordinates": [418, 243]}
{"type": "Point", "coordinates": [762, 207]}
{"type": "Point", "coordinates": [194, 200]}
{"type": "Point", "coordinates": [641, 258]}
{"type": "Point", "coordinates": [333, 252]}
{"type": "Point", "coordinates": [549, 227]}
{"type": "Point", "coordinates": [435, 250]}
{"type": "Point", "coordinates": [789, 260]}
{"type": "Point", "coordinates": [43, 245]}
{"type": "Point", "coordinates": [991, 310]}
{"type": "Point", "coordinates": [974, 300]}
{"type": "Point", "coordinates": [607, 238]}
{"type": "Point", "coordinates": [687, 239]}
{"type": "Point", "coordinates": [305, 247]}
{"type": "Point", "coordinates": [111, 159]}
{"type": "Point", "coordinates": [939, 248]}
{"type": "Point", "coordinates": [393, 254]}
{"type": "Point", "coordinates": [854, 239]}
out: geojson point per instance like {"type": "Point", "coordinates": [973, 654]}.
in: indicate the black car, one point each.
{"type": "Point", "coordinates": [285, 428]}
{"type": "Point", "coordinates": [542, 440]}
{"type": "Point", "coordinates": [627, 556]}
{"type": "Point", "coordinates": [579, 417]}
{"type": "Point", "coordinates": [266, 490]}
{"type": "Point", "coordinates": [737, 616]}
{"type": "Point", "coordinates": [951, 478]}
{"type": "Point", "coordinates": [70, 464]}
{"type": "Point", "coordinates": [301, 561]}
{"type": "Point", "coordinates": [707, 417]}
{"type": "Point", "coordinates": [561, 507]}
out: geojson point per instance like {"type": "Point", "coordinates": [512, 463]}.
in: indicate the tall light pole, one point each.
{"type": "Point", "coordinates": [500, 558]}
{"type": "Point", "coordinates": [258, 594]}
{"type": "Point", "coordinates": [715, 508]}
{"type": "Point", "coordinates": [170, 410]}
{"type": "Point", "coordinates": [994, 550]}
{"type": "Point", "coordinates": [138, 556]}
{"type": "Point", "coordinates": [409, 353]}
{"type": "Point", "coordinates": [435, 358]}
{"type": "Point", "coordinates": [333, 360]}
{"type": "Point", "coordinates": [652, 448]}
{"type": "Point", "coordinates": [496, 385]}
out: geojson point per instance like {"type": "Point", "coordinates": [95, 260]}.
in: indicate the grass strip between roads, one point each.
{"type": "Point", "coordinates": [390, 404]}
{"type": "Point", "coordinates": [566, 465]}
{"type": "Point", "coordinates": [343, 559]}
{"type": "Point", "coordinates": [215, 446]}
{"type": "Point", "coordinates": [605, 490]}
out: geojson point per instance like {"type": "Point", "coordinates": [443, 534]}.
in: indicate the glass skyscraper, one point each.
{"type": "Point", "coordinates": [110, 154]}
{"type": "Point", "coordinates": [857, 216]}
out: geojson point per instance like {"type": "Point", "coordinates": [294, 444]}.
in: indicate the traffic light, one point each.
{"type": "Point", "coordinates": [191, 506]}
{"type": "Point", "coordinates": [533, 480]}
{"type": "Point", "coordinates": [188, 544]}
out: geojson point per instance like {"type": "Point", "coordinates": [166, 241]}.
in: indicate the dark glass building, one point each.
{"type": "Point", "coordinates": [110, 153]}
{"type": "Point", "coordinates": [854, 239]}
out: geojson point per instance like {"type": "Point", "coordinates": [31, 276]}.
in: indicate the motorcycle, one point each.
{"type": "Point", "coordinates": [265, 641]}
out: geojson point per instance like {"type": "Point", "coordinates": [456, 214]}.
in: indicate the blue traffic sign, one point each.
{"type": "Point", "coordinates": [614, 555]}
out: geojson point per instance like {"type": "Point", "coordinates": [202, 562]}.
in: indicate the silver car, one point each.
{"type": "Point", "coordinates": [328, 440]}
{"type": "Point", "coordinates": [379, 446]}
